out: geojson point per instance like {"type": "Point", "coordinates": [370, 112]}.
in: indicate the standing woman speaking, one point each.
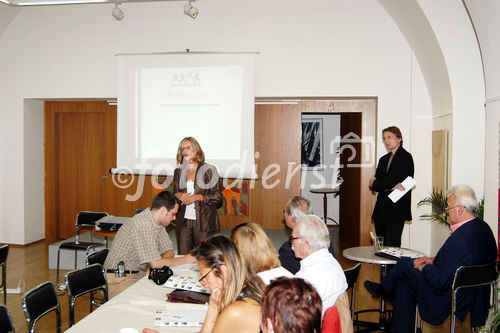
{"type": "Point", "coordinates": [197, 187]}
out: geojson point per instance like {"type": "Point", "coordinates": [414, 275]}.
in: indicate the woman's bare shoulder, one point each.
{"type": "Point", "coordinates": [240, 316]}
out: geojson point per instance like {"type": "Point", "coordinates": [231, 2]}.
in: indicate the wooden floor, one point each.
{"type": "Point", "coordinates": [30, 265]}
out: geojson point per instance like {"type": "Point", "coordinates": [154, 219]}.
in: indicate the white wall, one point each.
{"type": "Point", "coordinates": [485, 16]}
{"type": "Point", "coordinates": [307, 48]}
{"type": "Point", "coordinates": [328, 176]}
{"type": "Point", "coordinates": [33, 171]}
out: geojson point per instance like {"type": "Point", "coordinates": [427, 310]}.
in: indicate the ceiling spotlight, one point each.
{"type": "Point", "coordinates": [190, 11]}
{"type": "Point", "coordinates": [117, 12]}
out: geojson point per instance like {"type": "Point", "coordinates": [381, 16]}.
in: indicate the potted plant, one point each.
{"type": "Point", "coordinates": [492, 324]}
{"type": "Point", "coordinates": [438, 201]}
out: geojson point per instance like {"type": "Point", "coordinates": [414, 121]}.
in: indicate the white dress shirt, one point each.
{"type": "Point", "coordinates": [324, 272]}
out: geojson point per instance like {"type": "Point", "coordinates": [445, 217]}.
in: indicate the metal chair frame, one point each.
{"type": "Point", "coordinates": [472, 276]}
{"type": "Point", "coordinates": [83, 219]}
{"type": "Point", "coordinates": [50, 291]}
{"type": "Point", "coordinates": [4, 252]}
{"type": "Point", "coordinates": [98, 257]}
{"type": "Point", "coordinates": [5, 320]}
{"type": "Point", "coordinates": [86, 280]}
{"type": "Point", "coordinates": [466, 277]}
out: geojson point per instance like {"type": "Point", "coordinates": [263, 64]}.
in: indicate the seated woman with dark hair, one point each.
{"type": "Point", "coordinates": [235, 289]}
{"type": "Point", "coordinates": [257, 249]}
{"type": "Point", "coordinates": [291, 305]}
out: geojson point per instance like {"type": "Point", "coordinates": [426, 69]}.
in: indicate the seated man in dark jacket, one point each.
{"type": "Point", "coordinates": [428, 280]}
{"type": "Point", "coordinates": [295, 208]}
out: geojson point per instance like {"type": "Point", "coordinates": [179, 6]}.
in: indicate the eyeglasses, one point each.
{"type": "Point", "coordinates": [448, 208]}
{"type": "Point", "coordinates": [204, 276]}
{"type": "Point", "coordinates": [291, 239]}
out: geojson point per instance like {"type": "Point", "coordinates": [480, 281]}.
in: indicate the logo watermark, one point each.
{"type": "Point", "coordinates": [271, 176]}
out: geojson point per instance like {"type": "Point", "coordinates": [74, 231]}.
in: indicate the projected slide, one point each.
{"type": "Point", "coordinates": [204, 102]}
{"type": "Point", "coordinates": [165, 97]}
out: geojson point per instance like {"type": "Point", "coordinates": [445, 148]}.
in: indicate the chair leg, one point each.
{"type": "Point", "coordinates": [353, 299]}
{"type": "Point", "coordinates": [4, 283]}
{"type": "Point", "coordinates": [58, 319]}
{"type": "Point", "coordinates": [76, 254]}
{"type": "Point", "coordinates": [71, 312]}
{"type": "Point", "coordinates": [58, 255]}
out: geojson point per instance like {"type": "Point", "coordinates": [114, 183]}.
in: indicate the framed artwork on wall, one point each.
{"type": "Point", "coordinates": [312, 144]}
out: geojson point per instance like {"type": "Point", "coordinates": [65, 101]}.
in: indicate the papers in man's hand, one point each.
{"type": "Point", "coordinates": [180, 317]}
{"type": "Point", "coordinates": [178, 281]}
{"type": "Point", "coordinates": [408, 184]}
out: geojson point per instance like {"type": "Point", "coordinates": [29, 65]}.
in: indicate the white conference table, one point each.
{"type": "Point", "coordinates": [135, 308]}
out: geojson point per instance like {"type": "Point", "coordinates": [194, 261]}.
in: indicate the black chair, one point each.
{"type": "Point", "coordinates": [472, 276]}
{"type": "Point", "coordinates": [98, 257]}
{"type": "Point", "coordinates": [351, 275]}
{"type": "Point", "coordinates": [83, 281]}
{"type": "Point", "coordinates": [466, 277]}
{"type": "Point", "coordinates": [39, 301]}
{"type": "Point", "coordinates": [5, 321]}
{"type": "Point", "coordinates": [4, 252]}
{"type": "Point", "coordinates": [86, 220]}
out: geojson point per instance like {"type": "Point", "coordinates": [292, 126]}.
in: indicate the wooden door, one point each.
{"type": "Point", "coordinates": [277, 142]}
{"type": "Point", "coordinates": [77, 168]}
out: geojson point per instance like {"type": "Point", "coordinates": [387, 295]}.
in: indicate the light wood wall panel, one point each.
{"type": "Point", "coordinates": [277, 141]}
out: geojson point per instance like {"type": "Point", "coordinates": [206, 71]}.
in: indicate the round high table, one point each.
{"type": "Point", "coordinates": [366, 254]}
{"type": "Point", "coordinates": [325, 191]}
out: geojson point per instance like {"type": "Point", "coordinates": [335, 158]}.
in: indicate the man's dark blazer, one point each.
{"type": "Point", "coordinates": [471, 244]}
{"type": "Point", "coordinates": [400, 168]}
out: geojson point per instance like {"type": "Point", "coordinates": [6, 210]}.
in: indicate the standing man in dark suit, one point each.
{"type": "Point", "coordinates": [428, 280]}
{"type": "Point", "coordinates": [392, 169]}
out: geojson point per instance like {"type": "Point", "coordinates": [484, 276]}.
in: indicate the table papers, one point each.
{"type": "Point", "coordinates": [397, 252]}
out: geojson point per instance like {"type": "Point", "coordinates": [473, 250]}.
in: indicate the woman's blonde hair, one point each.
{"type": "Point", "coordinates": [219, 250]}
{"type": "Point", "coordinates": [199, 155]}
{"type": "Point", "coordinates": [255, 246]}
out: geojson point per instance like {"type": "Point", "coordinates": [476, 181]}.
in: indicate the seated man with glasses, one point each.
{"type": "Point", "coordinates": [428, 280]}
{"type": "Point", "coordinates": [310, 241]}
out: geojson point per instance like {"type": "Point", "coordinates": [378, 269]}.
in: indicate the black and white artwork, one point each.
{"type": "Point", "coordinates": [312, 144]}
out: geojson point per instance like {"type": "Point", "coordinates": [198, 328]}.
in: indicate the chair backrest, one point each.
{"type": "Point", "coordinates": [4, 252]}
{"type": "Point", "coordinates": [85, 218]}
{"type": "Point", "coordinates": [351, 275]}
{"type": "Point", "coordinates": [82, 281]}
{"type": "Point", "coordinates": [39, 301]}
{"type": "Point", "coordinates": [475, 275]}
{"type": "Point", "coordinates": [98, 257]}
{"type": "Point", "coordinates": [5, 321]}
{"type": "Point", "coordinates": [472, 276]}
{"type": "Point", "coordinates": [86, 279]}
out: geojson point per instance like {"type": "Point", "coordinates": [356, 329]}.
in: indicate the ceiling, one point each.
{"type": "Point", "coordinates": [67, 2]}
